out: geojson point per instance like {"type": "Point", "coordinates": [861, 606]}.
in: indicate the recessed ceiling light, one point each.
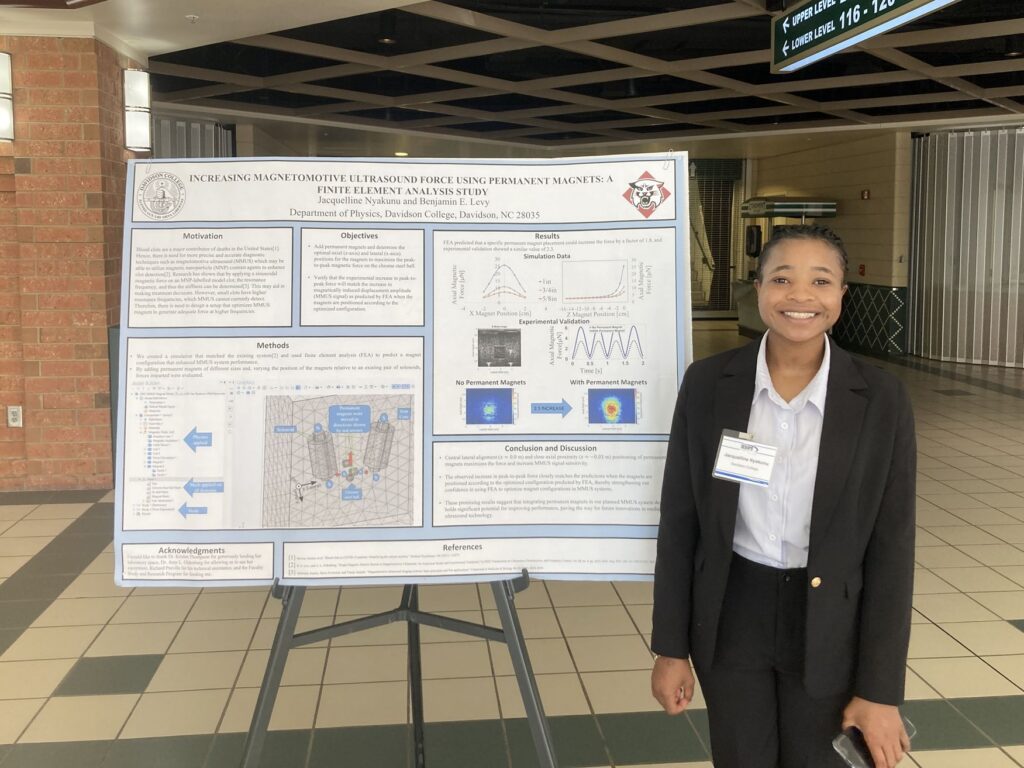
{"type": "Point", "coordinates": [401, 154]}
{"type": "Point", "coordinates": [191, 18]}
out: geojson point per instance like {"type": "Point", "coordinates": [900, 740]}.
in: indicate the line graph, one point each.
{"type": "Point", "coordinates": [504, 282]}
{"type": "Point", "coordinates": [595, 281]}
{"type": "Point", "coordinates": [604, 343]}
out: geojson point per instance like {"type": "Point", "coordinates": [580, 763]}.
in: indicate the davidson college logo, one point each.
{"type": "Point", "coordinates": [646, 194]}
{"type": "Point", "coordinates": [161, 195]}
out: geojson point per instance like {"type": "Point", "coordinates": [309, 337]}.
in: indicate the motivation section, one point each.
{"type": "Point", "coordinates": [467, 559]}
{"type": "Point", "coordinates": [210, 278]}
{"type": "Point", "coordinates": [362, 277]}
{"type": "Point", "coordinates": [547, 483]}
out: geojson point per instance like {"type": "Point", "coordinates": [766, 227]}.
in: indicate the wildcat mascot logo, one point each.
{"type": "Point", "coordinates": [646, 194]}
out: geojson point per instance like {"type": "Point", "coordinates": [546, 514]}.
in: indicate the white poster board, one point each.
{"type": "Point", "coordinates": [396, 371]}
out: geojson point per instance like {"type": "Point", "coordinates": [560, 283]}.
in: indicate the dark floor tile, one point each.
{"type": "Point", "coordinates": [19, 614]}
{"type": "Point", "coordinates": [282, 749]}
{"type": "Point", "coordinates": [575, 739]}
{"type": "Point", "coordinates": [7, 638]}
{"type": "Point", "coordinates": [171, 752]}
{"type": "Point", "coordinates": [76, 497]}
{"type": "Point", "coordinates": [699, 720]}
{"type": "Point", "coordinates": [101, 675]}
{"type": "Point", "coordinates": [650, 737]}
{"type": "Point", "coordinates": [22, 586]}
{"type": "Point", "coordinates": [25, 497]}
{"type": "Point", "coordinates": [465, 744]}
{"type": "Point", "coordinates": [1018, 623]}
{"type": "Point", "coordinates": [374, 745]}
{"type": "Point", "coordinates": [67, 754]}
{"type": "Point", "coordinates": [1000, 717]}
{"type": "Point", "coordinates": [940, 726]}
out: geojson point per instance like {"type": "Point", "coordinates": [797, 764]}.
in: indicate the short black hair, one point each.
{"type": "Point", "coordinates": [803, 232]}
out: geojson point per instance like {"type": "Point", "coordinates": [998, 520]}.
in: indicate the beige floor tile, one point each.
{"type": "Point", "coordinates": [94, 585]}
{"type": "Point", "coordinates": [362, 704]}
{"type": "Point", "coordinates": [79, 610]}
{"type": "Point", "coordinates": [1006, 605]}
{"type": "Point", "coordinates": [228, 605]}
{"type": "Point", "coordinates": [951, 502]}
{"type": "Point", "coordinates": [9, 512]}
{"type": "Point", "coordinates": [998, 500]}
{"type": "Point", "coordinates": [176, 713]}
{"type": "Point", "coordinates": [963, 677]}
{"type": "Point", "coordinates": [10, 565]}
{"type": "Point", "coordinates": [389, 634]}
{"type": "Point", "coordinates": [580, 593]}
{"type": "Point", "coordinates": [929, 515]}
{"type": "Point", "coordinates": [145, 607]}
{"type": "Point", "coordinates": [134, 639]}
{"type": "Point", "coordinates": [985, 638]}
{"type": "Point", "coordinates": [294, 709]}
{"type": "Point", "coordinates": [917, 618]}
{"type": "Point", "coordinates": [596, 620]}
{"type": "Point", "coordinates": [32, 679]}
{"type": "Point", "coordinates": [27, 527]}
{"type": "Point", "coordinates": [1009, 482]}
{"type": "Point", "coordinates": [1010, 666]}
{"type": "Point", "coordinates": [365, 664]}
{"type": "Point", "coordinates": [430, 635]}
{"type": "Point", "coordinates": [80, 718]}
{"type": "Point", "coordinates": [305, 666]}
{"type": "Point", "coordinates": [196, 671]}
{"type": "Point", "coordinates": [995, 554]}
{"type": "Point", "coordinates": [1011, 534]}
{"type": "Point", "coordinates": [360, 601]}
{"type": "Point", "coordinates": [104, 563]}
{"type": "Point", "coordinates": [620, 691]}
{"type": "Point", "coordinates": [642, 618]}
{"type": "Point", "coordinates": [1017, 753]}
{"type": "Point", "coordinates": [559, 694]}
{"type": "Point", "coordinates": [962, 534]}
{"type": "Point", "coordinates": [952, 607]}
{"type": "Point", "coordinates": [1013, 572]}
{"type": "Point", "coordinates": [229, 635]}
{"type": "Point", "coordinates": [943, 557]}
{"type": "Point", "coordinates": [445, 660]}
{"type": "Point", "coordinates": [263, 638]}
{"type": "Point", "coordinates": [317, 602]}
{"type": "Point", "coordinates": [974, 486]}
{"type": "Point", "coordinates": [57, 511]}
{"type": "Point", "coordinates": [928, 642]}
{"type": "Point", "coordinates": [979, 579]}
{"type": "Point", "coordinates": [448, 597]}
{"type": "Point", "coordinates": [635, 592]}
{"type": "Point", "coordinates": [534, 622]}
{"type": "Point", "coordinates": [547, 656]}
{"type": "Point", "coordinates": [960, 758]}
{"type": "Point", "coordinates": [702, 764]}
{"type": "Point", "coordinates": [923, 538]}
{"type": "Point", "coordinates": [468, 698]}
{"type": "Point", "coordinates": [22, 546]}
{"type": "Point", "coordinates": [51, 643]}
{"type": "Point", "coordinates": [926, 582]}
{"type": "Point", "coordinates": [916, 688]}
{"type": "Point", "coordinates": [985, 516]}
{"type": "Point", "coordinates": [15, 716]}
{"type": "Point", "coordinates": [534, 596]}
{"type": "Point", "coordinates": [606, 654]}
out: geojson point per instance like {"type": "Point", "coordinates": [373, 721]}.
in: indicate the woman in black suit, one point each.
{"type": "Point", "coordinates": [792, 600]}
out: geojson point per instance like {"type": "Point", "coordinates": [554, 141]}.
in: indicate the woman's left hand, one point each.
{"type": "Point", "coordinates": [882, 728]}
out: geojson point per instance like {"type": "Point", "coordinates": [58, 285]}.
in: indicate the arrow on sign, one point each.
{"type": "Point", "coordinates": [196, 439]}
{"type": "Point", "coordinates": [785, 24]}
{"type": "Point", "coordinates": [785, 48]}
{"type": "Point", "coordinates": [186, 510]}
{"type": "Point", "coordinates": [192, 487]}
{"type": "Point", "coordinates": [562, 407]}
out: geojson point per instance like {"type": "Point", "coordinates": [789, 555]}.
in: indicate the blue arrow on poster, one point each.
{"type": "Point", "coordinates": [196, 439]}
{"type": "Point", "coordinates": [562, 407]}
{"type": "Point", "coordinates": [193, 487]}
{"type": "Point", "coordinates": [186, 510]}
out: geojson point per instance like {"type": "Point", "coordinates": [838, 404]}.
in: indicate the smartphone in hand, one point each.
{"type": "Point", "coordinates": [854, 750]}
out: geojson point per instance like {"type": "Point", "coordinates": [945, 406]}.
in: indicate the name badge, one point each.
{"type": "Point", "coordinates": [742, 460]}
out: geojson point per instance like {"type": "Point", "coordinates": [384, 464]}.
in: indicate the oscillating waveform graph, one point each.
{"type": "Point", "coordinates": [504, 282]}
{"type": "Point", "coordinates": [596, 343]}
{"type": "Point", "coordinates": [594, 281]}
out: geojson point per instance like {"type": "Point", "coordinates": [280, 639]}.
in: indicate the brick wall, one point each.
{"type": "Point", "coordinates": [68, 167]}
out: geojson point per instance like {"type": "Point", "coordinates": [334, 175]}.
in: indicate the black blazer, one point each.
{"type": "Point", "coordinates": [862, 525]}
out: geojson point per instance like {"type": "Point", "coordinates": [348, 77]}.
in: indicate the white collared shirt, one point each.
{"type": "Point", "coordinates": [773, 525]}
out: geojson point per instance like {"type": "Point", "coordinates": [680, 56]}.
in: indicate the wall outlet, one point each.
{"type": "Point", "coordinates": [14, 416]}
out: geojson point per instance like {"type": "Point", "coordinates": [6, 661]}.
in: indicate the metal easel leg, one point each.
{"type": "Point", "coordinates": [411, 600]}
{"type": "Point", "coordinates": [504, 595]}
{"type": "Point", "coordinates": [291, 604]}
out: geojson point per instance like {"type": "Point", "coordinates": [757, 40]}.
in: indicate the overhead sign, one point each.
{"type": "Point", "coordinates": [820, 28]}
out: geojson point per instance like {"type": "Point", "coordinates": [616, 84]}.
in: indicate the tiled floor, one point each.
{"type": "Point", "coordinates": [96, 676]}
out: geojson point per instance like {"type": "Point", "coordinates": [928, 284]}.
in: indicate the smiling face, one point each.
{"type": "Point", "coordinates": [800, 293]}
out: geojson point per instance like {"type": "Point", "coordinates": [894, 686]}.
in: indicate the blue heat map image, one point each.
{"type": "Point", "coordinates": [611, 406]}
{"type": "Point", "coordinates": [489, 406]}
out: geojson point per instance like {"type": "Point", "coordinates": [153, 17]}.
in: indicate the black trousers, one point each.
{"type": "Point", "coordinates": [760, 714]}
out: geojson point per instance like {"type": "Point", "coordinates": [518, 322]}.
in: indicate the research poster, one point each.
{"type": "Point", "coordinates": [395, 371]}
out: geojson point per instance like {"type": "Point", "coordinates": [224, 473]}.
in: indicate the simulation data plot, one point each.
{"type": "Point", "coordinates": [603, 280]}
{"type": "Point", "coordinates": [339, 461]}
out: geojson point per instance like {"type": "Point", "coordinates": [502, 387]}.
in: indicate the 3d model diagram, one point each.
{"type": "Point", "coordinates": [338, 461]}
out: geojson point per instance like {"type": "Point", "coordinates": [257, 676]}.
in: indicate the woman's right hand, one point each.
{"type": "Point", "coordinates": [672, 683]}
